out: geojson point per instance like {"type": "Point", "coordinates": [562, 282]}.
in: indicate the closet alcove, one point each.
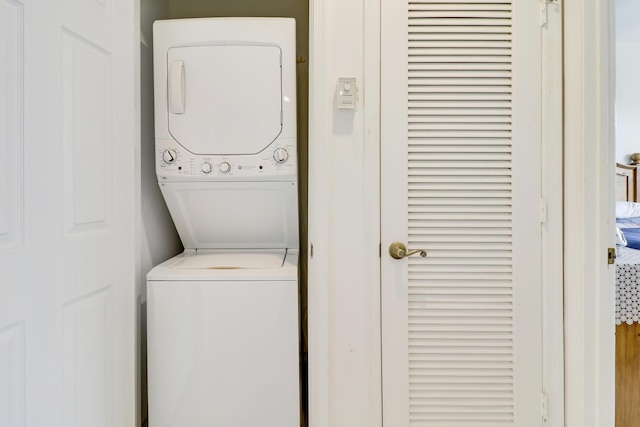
{"type": "Point", "coordinates": [159, 238]}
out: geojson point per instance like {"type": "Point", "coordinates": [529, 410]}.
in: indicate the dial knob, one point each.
{"type": "Point", "coordinates": [280, 155]}
{"type": "Point", "coordinates": [206, 167]}
{"type": "Point", "coordinates": [225, 167]}
{"type": "Point", "coordinates": [169, 156]}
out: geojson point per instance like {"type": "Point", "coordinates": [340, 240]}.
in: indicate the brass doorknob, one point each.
{"type": "Point", "coordinates": [398, 250]}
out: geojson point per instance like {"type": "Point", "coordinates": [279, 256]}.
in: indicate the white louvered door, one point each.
{"type": "Point", "coordinates": [461, 141]}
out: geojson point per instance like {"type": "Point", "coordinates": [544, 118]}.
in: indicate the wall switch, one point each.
{"type": "Point", "coordinates": [347, 93]}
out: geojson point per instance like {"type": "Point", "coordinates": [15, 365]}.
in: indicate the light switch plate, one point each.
{"type": "Point", "coordinates": [347, 93]}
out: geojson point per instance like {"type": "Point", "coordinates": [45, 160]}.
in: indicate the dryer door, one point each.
{"type": "Point", "coordinates": [224, 99]}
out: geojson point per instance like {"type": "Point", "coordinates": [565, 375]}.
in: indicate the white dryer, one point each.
{"type": "Point", "coordinates": [222, 317]}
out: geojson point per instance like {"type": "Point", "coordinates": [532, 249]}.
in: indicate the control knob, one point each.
{"type": "Point", "coordinates": [206, 167]}
{"type": "Point", "coordinates": [280, 155]}
{"type": "Point", "coordinates": [169, 156]}
{"type": "Point", "coordinates": [225, 167]}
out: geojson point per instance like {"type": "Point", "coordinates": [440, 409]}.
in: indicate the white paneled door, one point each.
{"type": "Point", "coordinates": [461, 147]}
{"type": "Point", "coordinates": [67, 197]}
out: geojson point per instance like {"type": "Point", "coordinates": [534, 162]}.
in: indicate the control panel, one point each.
{"type": "Point", "coordinates": [277, 162]}
{"type": "Point", "coordinates": [347, 98]}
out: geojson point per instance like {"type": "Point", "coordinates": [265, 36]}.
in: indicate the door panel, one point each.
{"type": "Point", "coordinates": [67, 291]}
{"type": "Point", "coordinates": [462, 342]}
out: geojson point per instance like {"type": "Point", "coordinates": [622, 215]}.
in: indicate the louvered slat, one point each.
{"type": "Point", "coordinates": [459, 172]}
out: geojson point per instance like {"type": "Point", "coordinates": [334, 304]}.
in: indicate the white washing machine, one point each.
{"type": "Point", "coordinates": [222, 317]}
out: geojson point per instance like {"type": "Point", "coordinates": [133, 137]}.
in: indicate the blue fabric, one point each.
{"type": "Point", "coordinates": [633, 237]}
{"type": "Point", "coordinates": [629, 222]}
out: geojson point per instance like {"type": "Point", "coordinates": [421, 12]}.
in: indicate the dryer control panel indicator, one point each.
{"type": "Point", "coordinates": [278, 162]}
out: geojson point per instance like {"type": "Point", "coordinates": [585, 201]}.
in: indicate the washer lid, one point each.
{"type": "Point", "coordinates": [232, 260]}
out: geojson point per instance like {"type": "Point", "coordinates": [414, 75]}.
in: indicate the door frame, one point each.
{"type": "Point", "coordinates": [325, 64]}
{"type": "Point", "coordinates": [329, 20]}
{"type": "Point", "coordinates": [589, 69]}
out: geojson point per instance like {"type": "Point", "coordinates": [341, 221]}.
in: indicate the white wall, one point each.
{"type": "Point", "coordinates": [343, 217]}
{"type": "Point", "coordinates": [627, 74]}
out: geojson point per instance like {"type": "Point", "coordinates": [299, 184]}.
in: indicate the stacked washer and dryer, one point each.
{"type": "Point", "coordinates": [222, 337]}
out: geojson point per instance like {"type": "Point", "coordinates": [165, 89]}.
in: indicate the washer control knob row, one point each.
{"type": "Point", "coordinates": [225, 167]}
{"type": "Point", "coordinates": [206, 167]}
{"type": "Point", "coordinates": [280, 155]}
